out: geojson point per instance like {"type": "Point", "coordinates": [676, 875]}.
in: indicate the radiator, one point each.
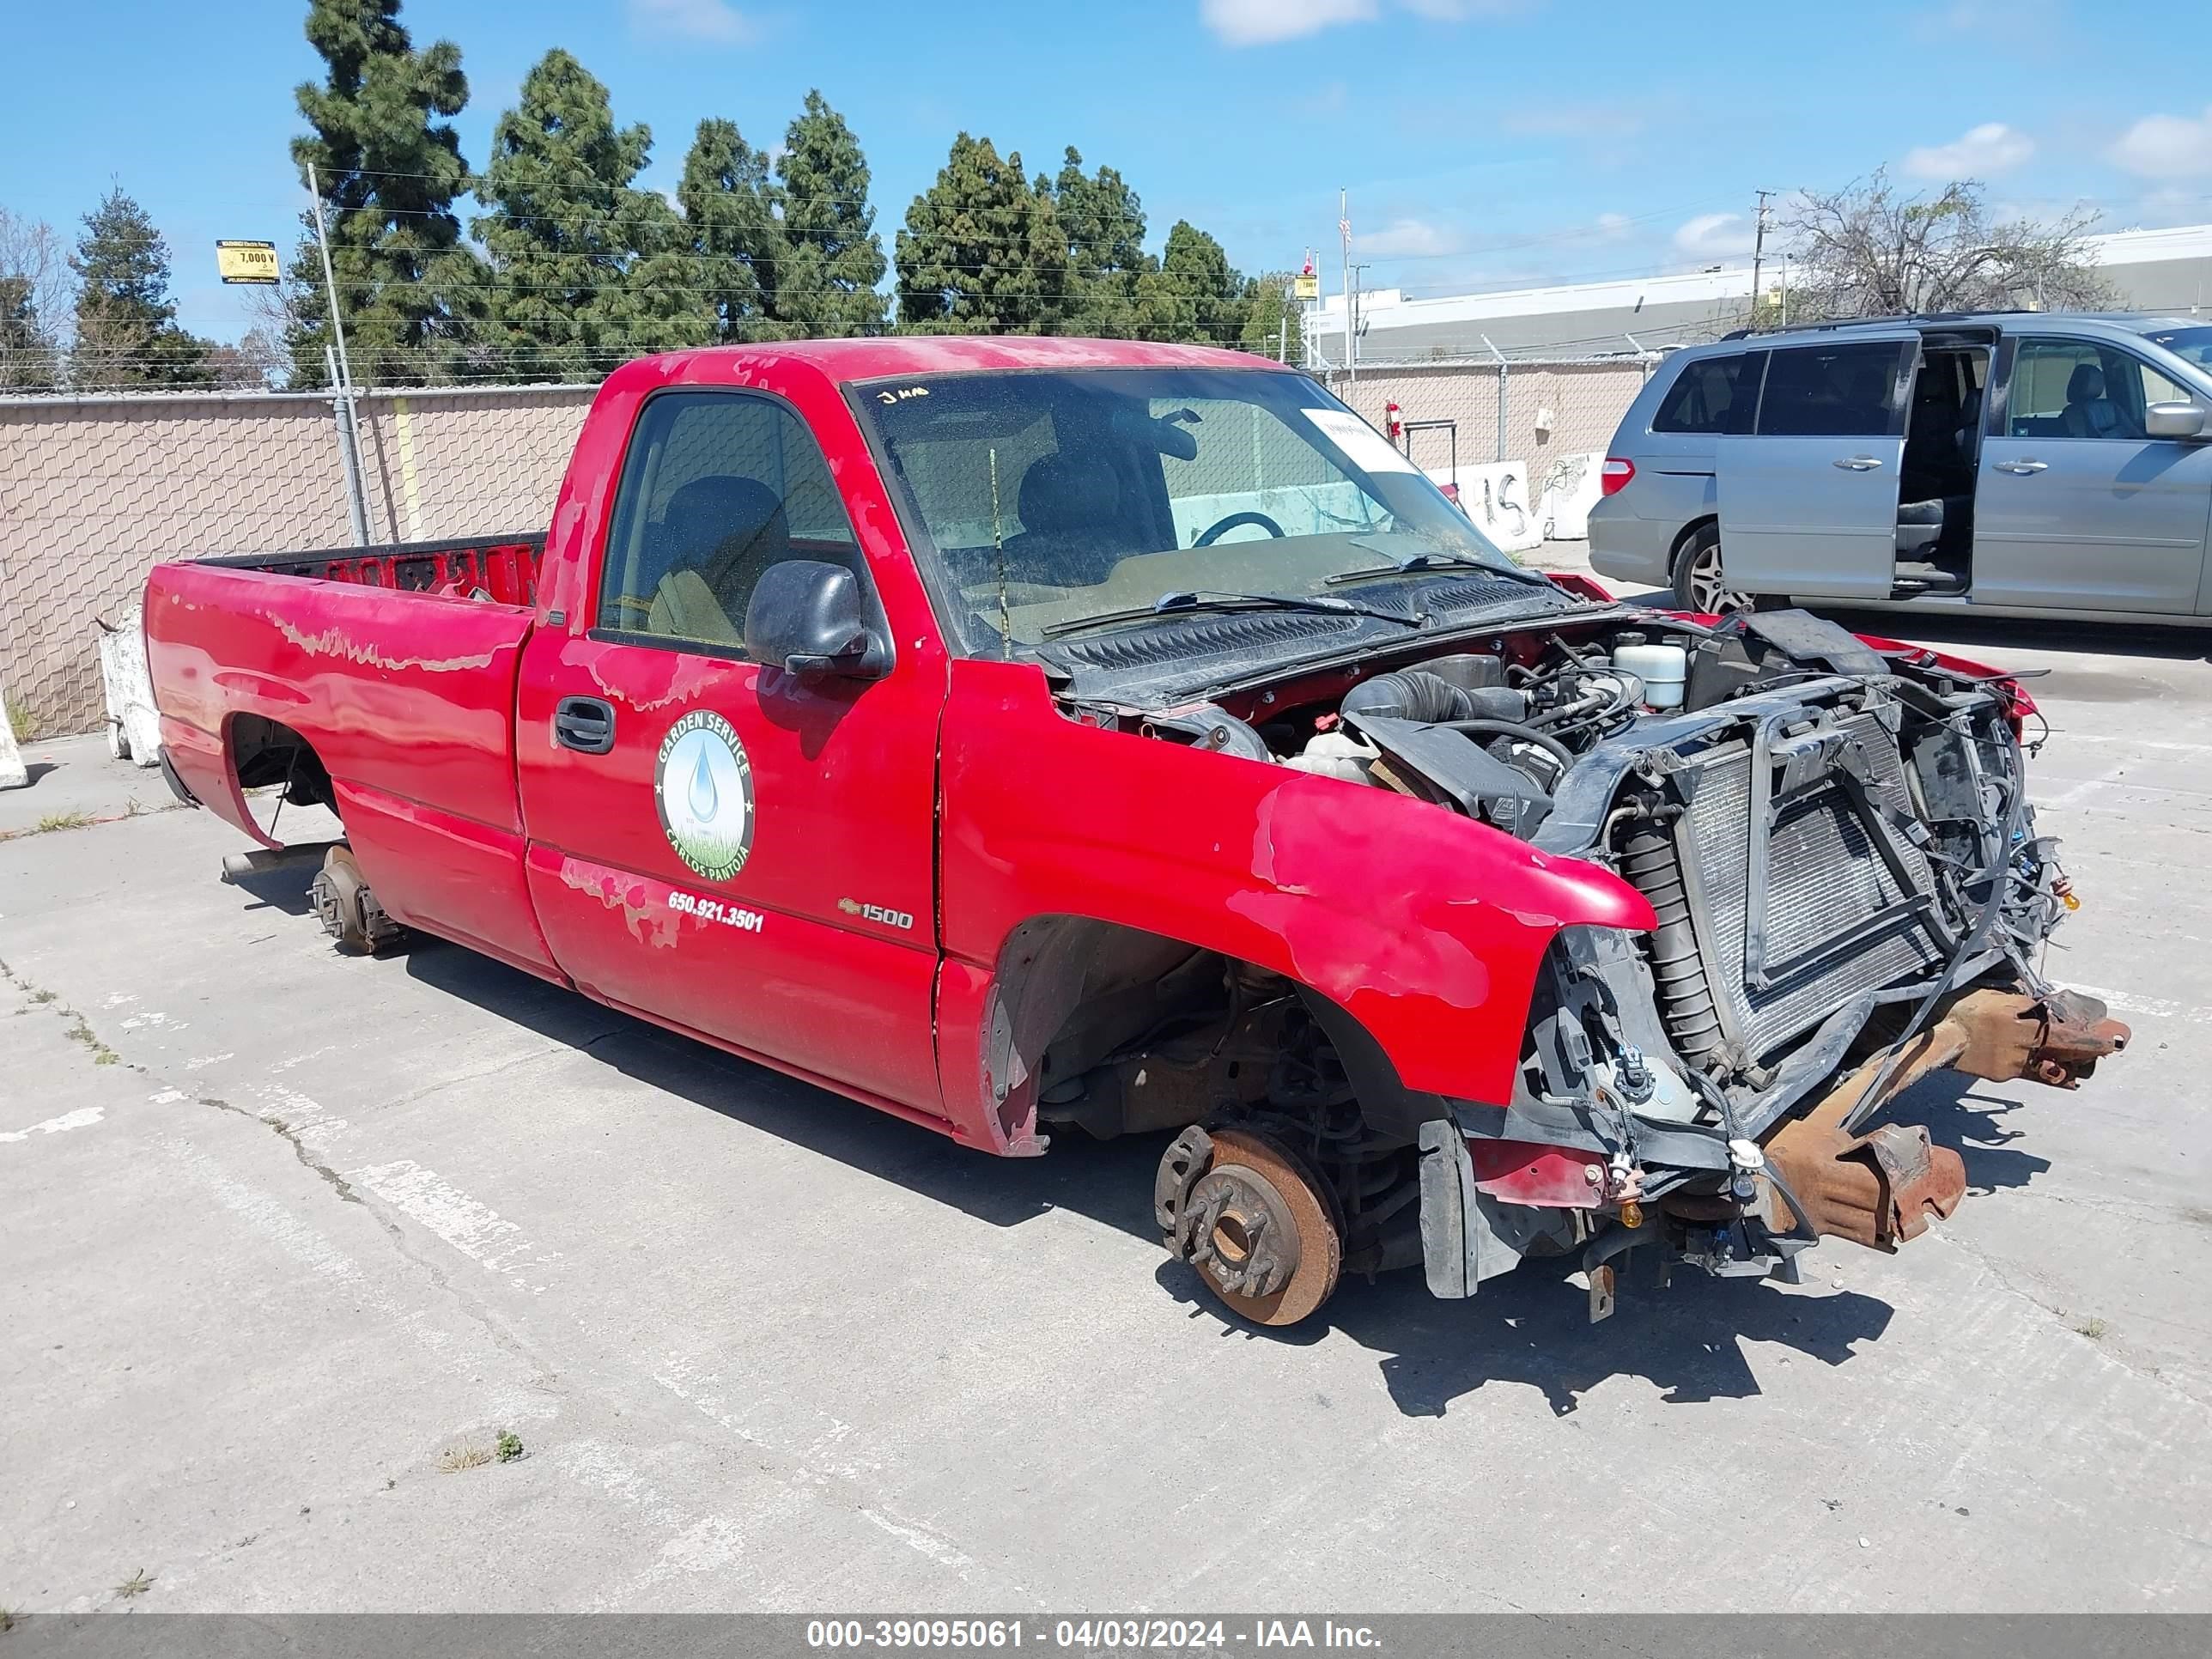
{"type": "Point", "coordinates": [1848, 908]}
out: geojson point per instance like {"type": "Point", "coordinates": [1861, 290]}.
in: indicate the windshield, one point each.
{"type": "Point", "coordinates": [1057, 501]}
{"type": "Point", "coordinates": [2192, 345]}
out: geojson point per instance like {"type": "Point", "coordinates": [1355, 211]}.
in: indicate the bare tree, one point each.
{"type": "Point", "coordinates": [36, 295]}
{"type": "Point", "coordinates": [1868, 251]}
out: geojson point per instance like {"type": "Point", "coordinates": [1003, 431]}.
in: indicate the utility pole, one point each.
{"type": "Point", "coordinates": [1757, 250]}
{"type": "Point", "coordinates": [348, 427]}
{"type": "Point", "coordinates": [1344, 235]}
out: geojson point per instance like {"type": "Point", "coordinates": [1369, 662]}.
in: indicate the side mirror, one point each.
{"type": "Point", "coordinates": [807, 617]}
{"type": "Point", "coordinates": [2174, 419]}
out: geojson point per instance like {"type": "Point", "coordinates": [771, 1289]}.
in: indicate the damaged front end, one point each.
{"type": "Point", "coordinates": [1850, 896]}
{"type": "Point", "coordinates": [1849, 893]}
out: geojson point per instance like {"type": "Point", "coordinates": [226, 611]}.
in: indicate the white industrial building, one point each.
{"type": "Point", "coordinates": [2165, 271]}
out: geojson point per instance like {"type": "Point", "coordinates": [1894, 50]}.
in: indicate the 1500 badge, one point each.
{"type": "Point", "coordinates": [903, 920]}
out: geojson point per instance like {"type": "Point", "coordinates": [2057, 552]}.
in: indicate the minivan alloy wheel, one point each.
{"type": "Point", "coordinates": [1701, 582]}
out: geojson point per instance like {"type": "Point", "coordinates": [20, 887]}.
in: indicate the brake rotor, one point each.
{"type": "Point", "coordinates": [1262, 1230]}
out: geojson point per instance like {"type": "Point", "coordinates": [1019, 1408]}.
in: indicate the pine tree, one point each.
{"type": "Point", "coordinates": [828, 273]}
{"type": "Point", "coordinates": [126, 324]}
{"type": "Point", "coordinates": [388, 171]}
{"type": "Point", "coordinates": [587, 270]}
{"type": "Point", "coordinates": [981, 251]}
{"type": "Point", "coordinates": [734, 238]}
{"type": "Point", "coordinates": [1104, 223]}
{"type": "Point", "coordinates": [1195, 266]}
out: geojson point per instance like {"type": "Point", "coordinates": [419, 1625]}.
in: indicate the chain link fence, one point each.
{"type": "Point", "coordinates": [96, 489]}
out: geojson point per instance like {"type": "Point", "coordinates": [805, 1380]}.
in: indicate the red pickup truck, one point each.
{"type": "Point", "coordinates": [1035, 736]}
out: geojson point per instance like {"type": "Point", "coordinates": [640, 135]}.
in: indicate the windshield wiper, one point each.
{"type": "Point", "coordinates": [1413, 562]}
{"type": "Point", "coordinates": [1182, 600]}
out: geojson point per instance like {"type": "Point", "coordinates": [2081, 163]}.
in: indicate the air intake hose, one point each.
{"type": "Point", "coordinates": [1410, 694]}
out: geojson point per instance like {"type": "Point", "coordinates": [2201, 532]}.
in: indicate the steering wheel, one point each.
{"type": "Point", "coordinates": [1235, 520]}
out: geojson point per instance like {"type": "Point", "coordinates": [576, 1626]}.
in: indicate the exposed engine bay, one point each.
{"type": "Point", "coordinates": [1850, 893]}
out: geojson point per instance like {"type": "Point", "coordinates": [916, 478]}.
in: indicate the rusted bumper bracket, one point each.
{"type": "Point", "coordinates": [1880, 1189]}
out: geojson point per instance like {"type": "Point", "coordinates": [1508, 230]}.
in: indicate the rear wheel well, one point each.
{"type": "Point", "coordinates": [1689, 534]}
{"type": "Point", "coordinates": [265, 752]}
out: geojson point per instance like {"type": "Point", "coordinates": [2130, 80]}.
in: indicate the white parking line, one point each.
{"type": "Point", "coordinates": [2127, 1002]}
{"type": "Point", "coordinates": [83, 1118]}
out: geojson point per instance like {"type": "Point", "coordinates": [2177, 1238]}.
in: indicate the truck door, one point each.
{"type": "Point", "coordinates": [2077, 506]}
{"type": "Point", "coordinates": [1809, 501]}
{"type": "Point", "coordinates": [712, 842]}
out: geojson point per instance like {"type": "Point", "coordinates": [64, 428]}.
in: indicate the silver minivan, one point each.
{"type": "Point", "coordinates": [2030, 464]}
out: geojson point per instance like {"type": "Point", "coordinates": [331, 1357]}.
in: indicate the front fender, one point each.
{"type": "Point", "coordinates": [1425, 926]}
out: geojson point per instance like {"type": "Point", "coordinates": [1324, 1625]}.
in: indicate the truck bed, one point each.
{"type": "Point", "coordinates": [500, 568]}
{"type": "Point", "coordinates": [396, 665]}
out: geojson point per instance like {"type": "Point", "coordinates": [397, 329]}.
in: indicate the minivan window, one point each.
{"type": "Point", "coordinates": [1713, 395]}
{"type": "Point", "coordinates": [2082, 389]}
{"type": "Point", "coordinates": [1830, 392]}
{"type": "Point", "coordinates": [2192, 345]}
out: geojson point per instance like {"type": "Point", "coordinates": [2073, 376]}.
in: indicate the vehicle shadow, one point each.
{"type": "Point", "coordinates": [1961, 1113]}
{"type": "Point", "coordinates": [1530, 1327]}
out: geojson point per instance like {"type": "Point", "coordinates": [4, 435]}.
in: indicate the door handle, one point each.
{"type": "Point", "coordinates": [585, 723]}
{"type": "Point", "coordinates": [2023, 468]}
{"type": "Point", "coordinates": [1857, 463]}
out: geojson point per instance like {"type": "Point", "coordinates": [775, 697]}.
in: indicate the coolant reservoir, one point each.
{"type": "Point", "coordinates": [1336, 755]}
{"type": "Point", "coordinates": [1662, 668]}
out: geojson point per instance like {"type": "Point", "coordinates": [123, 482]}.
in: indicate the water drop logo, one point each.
{"type": "Point", "coordinates": [704, 786]}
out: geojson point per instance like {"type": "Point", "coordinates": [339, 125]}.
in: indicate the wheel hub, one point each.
{"type": "Point", "coordinates": [1260, 1227]}
{"type": "Point", "coordinates": [1242, 1235]}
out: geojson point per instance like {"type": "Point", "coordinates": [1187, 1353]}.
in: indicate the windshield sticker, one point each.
{"type": "Point", "coordinates": [1366, 448]}
{"type": "Point", "coordinates": [704, 785]}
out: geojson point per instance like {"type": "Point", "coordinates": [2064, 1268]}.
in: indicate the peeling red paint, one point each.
{"type": "Point", "coordinates": [333, 642]}
{"type": "Point", "coordinates": [649, 923]}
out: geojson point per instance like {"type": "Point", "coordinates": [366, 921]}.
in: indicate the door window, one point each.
{"type": "Point", "coordinates": [2081, 389]}
{"type": "Point", "coordinates": [1714, 395]}
{"type": "Point", "coordinates": [717, 486]}
{"type": "Point", "coordinates": [1831, 391]}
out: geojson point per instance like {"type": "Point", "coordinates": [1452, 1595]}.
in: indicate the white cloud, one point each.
{"type": "Point", "coordinates": [713, 21]}
{"type": "Point", "coordinates": [1613, 228]}
{"type": "Point", "coordinates": [1406, 238]}
{"type": "Point", "coordinates": [1257, 22]}
{"type": "Point", "coordinates": [1983, 151]}
{"type": "Point", "coordinates": [1261, 23]}
{"type": "Point", "coordinates": [2166, 146]}
{"type": "Point", "coordinates": [1715, 236]}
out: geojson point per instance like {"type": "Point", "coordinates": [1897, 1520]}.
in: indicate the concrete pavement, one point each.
{"type": "Point", "coordinates": [289, 1239]}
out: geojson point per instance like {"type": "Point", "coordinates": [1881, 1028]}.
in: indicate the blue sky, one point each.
{"type": "Point", "coordinates": [1486, 143]}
